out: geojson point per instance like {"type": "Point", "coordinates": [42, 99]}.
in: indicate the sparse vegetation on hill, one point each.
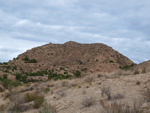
{"type": "Point", "coordinates": [27, 60]}
{"type": "Point", "coordinates": [73, 77]}
{"type": "Point", "coordinates": [74, 56]}
{"type": "Point", "coordinates": [127, 67]}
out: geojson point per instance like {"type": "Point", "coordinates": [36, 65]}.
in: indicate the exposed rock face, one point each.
{"type": "Point", "coordinates": [73, 56]}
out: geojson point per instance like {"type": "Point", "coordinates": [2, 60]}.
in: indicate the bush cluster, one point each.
{"type": "Point", "coordinates": [38, 73]}
{"type": "Point", "coordinates": [56, 76]}
{"type": "Point", "coordinates": [27, 60]}
{"type": "Point", "coordinates": [84, 69]}
{"type": "Point", "coordinates": [7, 83]}
{"type": "Point", "coordinates": [77, 74]}
{"type": "Point", "coordinates": [126, 67]}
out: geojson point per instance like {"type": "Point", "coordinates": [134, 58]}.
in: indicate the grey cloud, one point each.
{"type": "Point", "coordinates": [124, 25]}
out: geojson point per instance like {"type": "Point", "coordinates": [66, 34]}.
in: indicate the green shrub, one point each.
{"type": "Point", "coordinates": [27, 60]}
{"type": "Point", "coordinates": [7, 71]}
{"type": "Point", "coordinates": [52, 70]}
{"type": "Point", "coordinates": [24, 78]}
{"type": "Point", "coordinates": [38, 73]}
{"type": "Point", "coordinates": [80, 62]}
{"type": "Point", "coordinates": [56, 76]}
{"type": "Point", "coordinates": [65, 72]}
{"type": "Point", "coordinates": [126, 67]}
{"type": "Point", "coordinates": [67, 76]}
{"type": "Point", "coordinates": [5, 76]}
{"type": "Point", "coordinates": [77, 74]}
{"type": "Point", "coordinates": [21, 78]}
{"type": "Point", "coordinates": [84, 69]}
{"type": "Point", "coordinates": [99, 75]}
{"type": "Point", "coordinates": [6, 83]}
{"type": "Point", "coordinates": [7, 67]}
{"type": "Point", "coordinates": [15, 83]}
{"type": "Point", "coordinates": [10, 83]}
{"type": "Point", "coordinates": [15, 68]}
{"type": "Point", "coordinates": [18, 76]}
{"type": "Point", "coordinates": [61, 68]}
{"type": "Point", "coordinates": [111, 61]}
{"type": "Point", "coordinates": [5, 63]}
{"type": "Point", "coordinates": [33, 61]}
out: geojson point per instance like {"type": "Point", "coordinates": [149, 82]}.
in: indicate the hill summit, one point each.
{"type": "Point", "coordinates": [95, 57]}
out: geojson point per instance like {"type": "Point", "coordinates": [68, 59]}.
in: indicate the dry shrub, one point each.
{"type": "Point", "coordinates": [38, 102]}
{"type": "Point", "coordinates": [116, 107]}
{"type": "Point", "coordinates": [117, 96]}
{"type": "Point", "coordinates": [47, 108]}
{"type": "Point", "coordinates": [67, 84]}
{"type": "Point", "coordinates": [28, 97]}
{"type": "Point", "coordinates": [1, 88]}
{"type": "Point", "coordinates": [38, 99]}
{"type": "Point", "coordinates": [121, 73]}
{"type": "Point", "coordinates": [146, 94]}
{"type": "Point", "coordinates": [88, 79]}
{"type": "Point", "coordinates": [2, 108]}
{"type": "Point", "coordinates": [87, 102]}
{"type": "Point", "coordinates": [61, 93]}
{"type": "Point", "coordinates": [138, 83]}
{"type": "Point", "coordinates": [46, 90]}
{"type": "Point", "coordinates": [64, 83]}
{"type": "Point", "coordinates": [143, 70]}
{"type": "Point", "coordinates": [136, 72]}
{"type": "Point", "coordinates": [17, 100]}
{"type": "Point", "coordinates": [106, 91]}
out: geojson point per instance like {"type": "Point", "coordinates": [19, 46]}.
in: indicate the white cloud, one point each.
{"type": "Point", "coordinates": [22, 22]}
{"type": "Point", "coordinates": [124, 25]}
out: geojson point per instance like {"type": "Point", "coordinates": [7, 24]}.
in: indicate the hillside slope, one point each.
{"type": "Point", "coordinates": [73, 56]}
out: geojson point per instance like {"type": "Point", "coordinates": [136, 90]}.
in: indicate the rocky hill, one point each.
{"type": "Point", "coordinates": [72, 56]}
{"type": "Point", "coordinates": [74, 78]}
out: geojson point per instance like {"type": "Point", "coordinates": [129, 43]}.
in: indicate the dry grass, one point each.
{"type": "Point", "coordinates": [61, 93]}
{"type": "Point", "coordinates": [88, 79]}
{"type": "Point", "coordinates": [106, 91]}
{"type": "Point", "coordinates": [118, 96]}
{"type": "Point", "coordinates": [136, 72]}
{"type": "Point", "coordinates": [116, 107]}
{"type": "Point", "coordinates": [47, 108]}
{"type": "Point", "coordinates": [87, 102]}
{"type": "Point", "coordinates": [121, 73]}
{"type": "Point", "coordinates": [16, 101]}
{"type": "Point", "coordinates": [146, 94]}
{"type": "Point", "coordinates": [144, 70]}
{"type": "Point", "coordinates": [38, 99]}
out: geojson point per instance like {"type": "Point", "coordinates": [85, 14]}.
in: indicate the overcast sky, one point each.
{"type": "Point", "coordinates": [122, 24]}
